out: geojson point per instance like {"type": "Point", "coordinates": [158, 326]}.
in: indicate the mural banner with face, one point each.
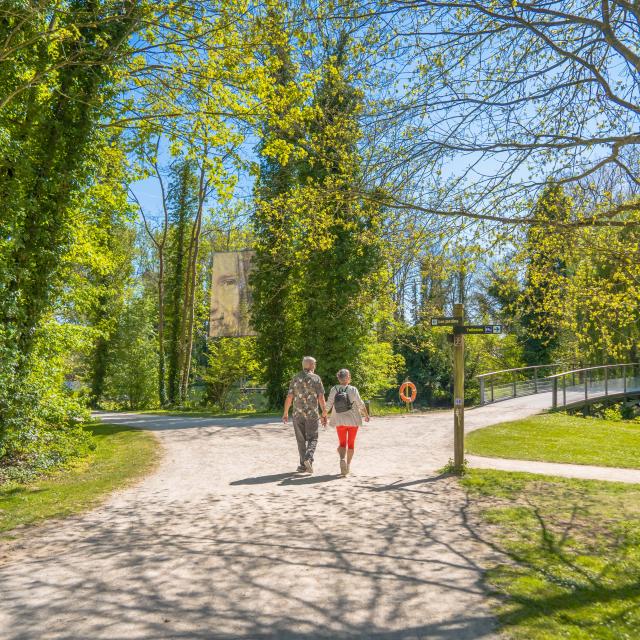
{"type": "Point", "coordinates": [230, 295]}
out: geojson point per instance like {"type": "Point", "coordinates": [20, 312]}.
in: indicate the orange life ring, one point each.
{"type": "Point", "coordinates": [408, 385]}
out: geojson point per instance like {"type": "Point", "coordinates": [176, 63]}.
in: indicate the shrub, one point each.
{"type": "Point", "coordinates": [612, 413]}
{"type": "Point", "coordinates": [132, 372]}
{"type": "Point", "coordinates": [41, 422]}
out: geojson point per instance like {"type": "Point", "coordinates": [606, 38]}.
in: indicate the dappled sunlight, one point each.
{"type": "Point", "coordinates": [259, 554]}
{"type": "Point", "coordinates": [572, 556]}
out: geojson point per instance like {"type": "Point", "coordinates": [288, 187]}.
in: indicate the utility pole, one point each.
{"type": "Point", "coordinates": [458, 391]}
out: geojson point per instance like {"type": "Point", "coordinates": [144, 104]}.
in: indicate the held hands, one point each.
{"type": "Point", "coordinates": [323, 420]}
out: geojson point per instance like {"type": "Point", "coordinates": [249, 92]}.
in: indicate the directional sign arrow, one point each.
{"type": "Point", "coordinates": [478, 329]}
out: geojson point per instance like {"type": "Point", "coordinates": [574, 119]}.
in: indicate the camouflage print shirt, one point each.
{"type": "Point", "coordinates": [305, 388]}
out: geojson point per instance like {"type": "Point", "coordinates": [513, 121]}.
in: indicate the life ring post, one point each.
{"type": "Point", "coordinates": [408, 399]}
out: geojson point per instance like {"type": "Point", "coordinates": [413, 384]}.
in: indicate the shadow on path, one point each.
{"type": "Point", "coordinates": [394, 486]}
{"type": "Point", "coordinates": [216, 545]}
{"type": "Point", "coordinates": [274, 477]}
{"type": "Point", "coordinates": [331, 560]}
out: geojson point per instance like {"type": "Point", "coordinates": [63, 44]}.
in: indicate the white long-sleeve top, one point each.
{"type": "Point", "coordinates": [351, 418]}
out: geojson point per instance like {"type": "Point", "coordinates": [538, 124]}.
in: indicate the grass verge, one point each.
{"type": "Point", "coordinates": [571, 550]}
{"type": "Point", "coordinates": [558, 437]}
{"type": "Point", "coordinates": [122, 455]}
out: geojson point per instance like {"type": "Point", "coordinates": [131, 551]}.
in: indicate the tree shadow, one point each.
{"type": "Point", "coordinates": [556, 554]}
{"type": "Point", "coordinates": [99, 429]}
{"type": "Point", "coordinates": [275, 477]}
{"type": "Point", "coordinates": [310, 479]}
{"type": "Point", "coordinates": [263, 558]}
{"type": "Point", "coordinates": [395, 486]}
{"type": "Point", "coordinates": [8, 492]}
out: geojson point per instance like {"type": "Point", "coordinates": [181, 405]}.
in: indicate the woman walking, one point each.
{"type": "Point", "coordinates": [347, 410]}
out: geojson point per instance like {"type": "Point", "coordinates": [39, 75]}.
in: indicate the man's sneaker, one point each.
{"type": "Point", "coordinates": [344, 469]}
{"type": "Point", "coordinates": [301, 468]}
{"type": "Point", "coordinates": [308, 465]}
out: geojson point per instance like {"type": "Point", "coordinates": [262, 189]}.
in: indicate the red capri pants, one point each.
{"type": "Point", "coordinates": [347, 435]}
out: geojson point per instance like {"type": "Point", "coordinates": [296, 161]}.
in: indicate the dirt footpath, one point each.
{"type": "Point", "coordinates": [224, 541]}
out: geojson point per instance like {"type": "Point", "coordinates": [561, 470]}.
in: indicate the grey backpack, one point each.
{"type": "Point", "coordinates": [341, 402]}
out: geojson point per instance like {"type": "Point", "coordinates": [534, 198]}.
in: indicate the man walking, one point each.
{"type": "Point", "coordinates": [306, 393]}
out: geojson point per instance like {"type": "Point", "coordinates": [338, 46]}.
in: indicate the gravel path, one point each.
{"type": "Point", "coordinates": [223, 541]}
{"type": "Point", "coordinates": [580, 471]}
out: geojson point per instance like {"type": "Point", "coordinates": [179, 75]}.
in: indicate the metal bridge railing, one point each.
{"type": "Point", "coordinates": [514, 383]}
{"type": "Point", "coordinates": [581, 386]}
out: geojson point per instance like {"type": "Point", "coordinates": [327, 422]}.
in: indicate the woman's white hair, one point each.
{"type": "Point", "coordinates": [308, 363]}
{"type": "Point", "coordinates": [343, 374]}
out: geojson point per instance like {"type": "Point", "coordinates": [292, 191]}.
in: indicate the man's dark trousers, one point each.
{"type": "Point", "coordinates": [306, 428]}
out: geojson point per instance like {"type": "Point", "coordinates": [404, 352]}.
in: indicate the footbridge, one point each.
{"type": "Point", "coordinates": [566, 388]}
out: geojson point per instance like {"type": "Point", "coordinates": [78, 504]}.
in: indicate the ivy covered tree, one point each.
{"type": "Point", "coordinates": [320, 278]}
{"type": "Point", "coordinates": [48, 129]}
{"type": "Point", "coordinates": [183, 208]}
{"type": "Point", "coordinates": [58, 67]}
{"type": "Point", "coordinates": [345, 272]}
{"type": "Point", "coordinates": [276, 311]}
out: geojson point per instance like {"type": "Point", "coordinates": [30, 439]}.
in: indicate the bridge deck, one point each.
{"type": "Point", "coordinates": [568, 389]}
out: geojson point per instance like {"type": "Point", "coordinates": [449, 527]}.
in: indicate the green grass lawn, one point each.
{"type": "Point", "coordinates": [558, 437]}
{"type": "Point", "coordinates": [121, 456]}
{"type": "Point", "coordinates": [571, 566]}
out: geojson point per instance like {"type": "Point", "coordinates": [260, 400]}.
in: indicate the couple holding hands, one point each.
{"type": "Point", "coordinates": [306, 395]}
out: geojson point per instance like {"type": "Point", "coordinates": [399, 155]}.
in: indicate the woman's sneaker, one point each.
{"type": "Point", "coordinates": [301, 468]}
{"type": "Point", "coordinates": [344, 469]}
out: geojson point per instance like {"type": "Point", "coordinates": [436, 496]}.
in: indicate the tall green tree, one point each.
{"type": "Point", "coordinates": [544, 253]}
{"type": "Point", "coordinates": [344, 274]}
{"type": "Point", "coordinates": [47, 132]}
{"type": "Point", "coordinates": [276, 312]}
{"type": "Point", "coordinates": [131, 376]}
{"type": "Point", "coordinates": [58, 68]}
{"type": "Point", "coordinates": [110, 283]}
{"type": "Point", "coordinates": [183, 206]}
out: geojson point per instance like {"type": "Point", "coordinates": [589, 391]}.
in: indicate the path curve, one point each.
{"type": "Point", "coordinates": [579, 471]}
{"type": "Point", "coordinates": [223, 541]}
{"type": "Point", "coordinates": [537, 404]}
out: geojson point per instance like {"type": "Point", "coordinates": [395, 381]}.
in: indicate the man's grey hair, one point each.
{"type": "Point", "coordinates": [308, 363]}
{"type": "Point", "coordinates": [343, 375]}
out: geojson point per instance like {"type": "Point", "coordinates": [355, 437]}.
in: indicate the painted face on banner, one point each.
{"type": "Point", "coordinates": [230, 298]}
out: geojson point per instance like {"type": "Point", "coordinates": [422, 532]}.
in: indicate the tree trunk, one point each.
{"type": "Point", "coordinates": [162, 394]}
{"type": "Point", "coordinates": [193, 273]}
{"type": "Point", "coordinates": [191, 281]}
{"type": "Point", "coordinates": [99, 370]}
{"type": "Point", "coordinates": [185, 312]}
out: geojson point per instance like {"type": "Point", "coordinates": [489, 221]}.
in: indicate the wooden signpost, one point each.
{"type": "Point", "coordinates": [459, 331]}
{"type": "Point", "coordinates": [458, 390]}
